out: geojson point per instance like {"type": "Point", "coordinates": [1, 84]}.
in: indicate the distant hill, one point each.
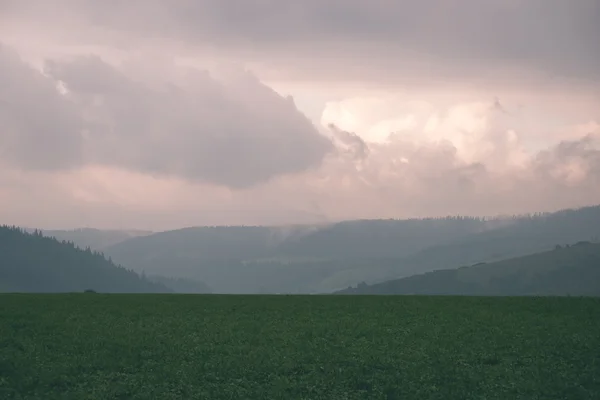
{"type": "Point", "coordinates": [346, 240]}
{"type": "Point", "coordinates": [381, 238]}
{"type": "Point", "coordinates": [201, 243]}
{"type": "Point", "coordinates": [31, 262]}
{"type": "Point", "coordinates": [571, 270]}
{"type": "Point", "coordinates": [517, 236]}
{"type": "Point", "coordinates": [526, 235]}
{"type": "Point", "coordinates": [326, 258]}
{"type": "Point", "coordinates": [96, 239]}
{"type": "Point", "coordinates": [255, 259]}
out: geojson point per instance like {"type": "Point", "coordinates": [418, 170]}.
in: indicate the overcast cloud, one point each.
{"type": "Point", "coordinates": [434, 40]}
{"type": "Point", "coordinates": [157, 114]}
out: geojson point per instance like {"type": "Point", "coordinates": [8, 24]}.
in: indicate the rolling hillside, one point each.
{"type": "Point", "coordinates": [321, 259]}
{"type": "Point", "coordinates": [512, 238]}
{"type": "Point", "coordinates": [30, 262]}
{"type": "Point", "coordinates": [527, 235]}
{"type": "Point", "coordinates": [298, 259]}
{"type": "Point", "coordinates": [570, 270]}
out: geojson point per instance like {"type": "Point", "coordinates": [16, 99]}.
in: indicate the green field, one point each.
{"type": "Point", "coordinates": [94, 346]}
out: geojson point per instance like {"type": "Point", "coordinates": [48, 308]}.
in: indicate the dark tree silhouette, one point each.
{"type": "Point", "coordinates": [31, 262]}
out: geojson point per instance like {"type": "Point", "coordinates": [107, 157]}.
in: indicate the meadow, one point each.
{"type": "Point", "coordinates": [97, 346]}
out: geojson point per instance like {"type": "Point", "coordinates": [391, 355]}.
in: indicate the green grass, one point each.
{"type": "Point", "coordinates": [94, 346]}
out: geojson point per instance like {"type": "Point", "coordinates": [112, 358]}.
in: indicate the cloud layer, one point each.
{"type": "Point", "coordinates": [433, 40]}
{"type": "Point", "coordinates": [158, 114]}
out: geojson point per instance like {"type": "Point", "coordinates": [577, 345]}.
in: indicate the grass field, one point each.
{"type": "Point", "coordinates": [94, 346]}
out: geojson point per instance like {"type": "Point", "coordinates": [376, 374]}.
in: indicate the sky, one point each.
{"type": "Point", "coordinates": [160, 114]}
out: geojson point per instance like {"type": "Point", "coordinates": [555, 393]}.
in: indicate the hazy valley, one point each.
{"type": "Point", "coordinates": [322, 259]}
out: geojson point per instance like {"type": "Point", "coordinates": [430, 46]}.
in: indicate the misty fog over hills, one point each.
{"type": "Point", "coordinates": [190, 114]}
{"type": "Point", "coordinates": [311, 258]}
{"type": "Point", "coordinates": [328, 258]}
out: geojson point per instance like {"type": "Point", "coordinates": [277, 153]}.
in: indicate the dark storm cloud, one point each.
{"type": "Point", "coordinates": [236, 133]}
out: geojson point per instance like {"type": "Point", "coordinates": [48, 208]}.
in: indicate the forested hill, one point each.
{"type": "Point", "coordinates": [566, 270]}
{"type": "Point", "coordinates": [96, 239]}
{"type": "Point", "coordinates": [31, 262]}
{"type": "Point", "coordinates": [326, 258]}
{"type": "Point", "coordinates": [524, 236]}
